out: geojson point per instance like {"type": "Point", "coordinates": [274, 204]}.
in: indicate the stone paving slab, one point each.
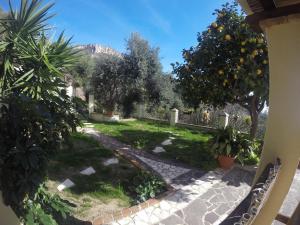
{"type": "Point", "coordinates": [167, 171]}
{"type": "Point", "coordinates": [158, 150]}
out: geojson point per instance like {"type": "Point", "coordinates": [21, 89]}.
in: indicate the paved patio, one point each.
{"type": "Point", "coordinates": [199, 198]}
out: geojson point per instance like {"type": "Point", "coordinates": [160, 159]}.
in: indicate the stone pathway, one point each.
{"type": "Point", "coordinates": [158, 149]}
{"type": "Point", "coordinates": [169, 171]}
{"type": "Point", "coordinates": [167, 142]}
{"type": "Point", "coordinates": [198, 198]}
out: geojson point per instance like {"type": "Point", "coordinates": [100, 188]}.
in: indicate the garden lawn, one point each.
{"type": "Point", "coordinates": [111, 188]}
{"type": "Point", "coordinates": [190, 146]}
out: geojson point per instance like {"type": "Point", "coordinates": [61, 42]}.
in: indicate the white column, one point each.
{"type": "Point", "coordinates": [174, 117]}
{"type": "Point", "coordinates": [223, 120]}
{"type": "Point", "coordinates": [91, 104]}
{"type": "Point", "coordinates": [70, 91]}
{"type": "Point", "coordinates": [283, 126]}
{"type": "Point", "coordinates": [140, 111]}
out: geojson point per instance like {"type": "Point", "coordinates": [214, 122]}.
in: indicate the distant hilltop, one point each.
{"type": "Point", "coordinates": [99, 49]}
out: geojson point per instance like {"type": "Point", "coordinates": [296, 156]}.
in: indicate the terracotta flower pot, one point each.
{"type": "Point", "coordinates": [225, 162]}
{"type": "Point", "coordinates": [110, 113]}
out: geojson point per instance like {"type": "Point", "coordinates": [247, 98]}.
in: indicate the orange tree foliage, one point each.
{"type": "Point", "coordinates": [228, 65]}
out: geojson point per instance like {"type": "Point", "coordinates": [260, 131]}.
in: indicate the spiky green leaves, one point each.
{"type": "Point", "coordinates": [26, 50]}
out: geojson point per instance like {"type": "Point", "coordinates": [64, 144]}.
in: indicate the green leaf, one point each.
{"type": "Point", "coordinates": [228, 150]}
{"type": "Point", "coordinates": [26, 77]}
{"type": "Point", "coordinates": [30, 219]}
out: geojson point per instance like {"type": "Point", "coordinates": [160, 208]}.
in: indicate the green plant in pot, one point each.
{"type": "Point", "coordinates": [224, 147]}
{"type": "Point", "coordinates": [230, 144]}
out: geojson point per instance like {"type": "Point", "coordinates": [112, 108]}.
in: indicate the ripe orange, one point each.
{"type": "Point", "coordinates": [215, 25]}
{"type": "Point", "coordinates": [258, 71]}
{"type": "Point", "coordinates": [227, 37]}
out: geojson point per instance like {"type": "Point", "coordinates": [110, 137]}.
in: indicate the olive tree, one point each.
{"type": "Point", "coordinates": [108, 81]}
{"type": "Point", "coordinates": [143, 69]}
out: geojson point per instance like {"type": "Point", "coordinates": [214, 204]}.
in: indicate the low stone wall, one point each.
{"type": "Point", "coordinates": [155, 120]}
{"type": "Point", "coordinates": [103, 118]}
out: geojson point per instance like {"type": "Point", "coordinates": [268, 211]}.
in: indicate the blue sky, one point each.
{"type": "Point", "coordinates": [171, 25]}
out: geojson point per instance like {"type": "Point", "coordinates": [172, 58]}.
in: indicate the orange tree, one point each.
{"type": "Point", "coordinates": [228, 65]}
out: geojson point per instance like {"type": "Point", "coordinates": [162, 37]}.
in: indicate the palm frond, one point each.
{"type": "Point", "coordinates": [30, 19]}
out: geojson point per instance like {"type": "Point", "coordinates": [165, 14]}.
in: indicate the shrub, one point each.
{"type": "Point", "coordinates": [248, 120]}
{"type": "Point", "coordinates": [81, 107]}
{"type": "Point", "coordinates": [149, 186]}
{"type": "Point", "coordinates": [45, 208]}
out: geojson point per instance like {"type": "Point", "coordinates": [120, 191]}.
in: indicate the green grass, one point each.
{"type": "Point", "coordinates": [191, 146]}
{"type": "Point", "coordinates": [110, 188]}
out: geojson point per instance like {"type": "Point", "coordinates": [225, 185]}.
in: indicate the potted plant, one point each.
{"type": "Point", "coordinates": [224, 147]}
{"type": "Point", "coordinates": [109, 113]}
{"type": "Point", "coordinates": [230, 144]}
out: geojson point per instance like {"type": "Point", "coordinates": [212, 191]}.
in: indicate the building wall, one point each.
{"type": "Point", "coordinates": [7, 216]}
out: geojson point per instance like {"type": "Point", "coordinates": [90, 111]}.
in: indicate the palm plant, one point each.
{"type": "Point", "coordinates": [36, 113]}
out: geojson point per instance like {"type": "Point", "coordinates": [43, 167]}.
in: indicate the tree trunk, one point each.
{"type": "Point", "coordinates": [254, 117]}
{"type": "Point", "coordinates": [254, 124]}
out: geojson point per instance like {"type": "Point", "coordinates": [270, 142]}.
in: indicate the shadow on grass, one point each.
{"type": "Point", "coordinates": [70, 219]}
{"type": "Point", "coordinates": [107, 183]}
{"type": "Point", "coordinates": [141, 139]}
{"type": "Point", "coordinates": [113, 185]}
{"type": "Point", "coordinates": [195, 153]}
